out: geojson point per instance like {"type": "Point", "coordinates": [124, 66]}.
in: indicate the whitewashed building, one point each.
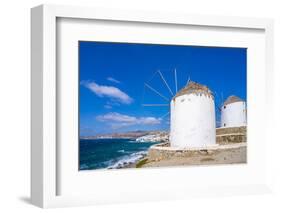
{"type": "Point", "coordinates": [193, 117]}
{"type": "Point", "coordinates": [233, 112]}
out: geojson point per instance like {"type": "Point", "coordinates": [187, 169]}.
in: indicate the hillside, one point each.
{"type": "Point", "coordinates": [131, 134]}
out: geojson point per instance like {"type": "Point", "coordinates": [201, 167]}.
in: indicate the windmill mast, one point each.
{"type": "Point", "coordinates": [188, 80]}
{"type": "Point", "coordinates": [176, 80]}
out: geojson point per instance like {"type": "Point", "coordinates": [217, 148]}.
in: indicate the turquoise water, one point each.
{"type": "Point", "coordinates": [110, 153]}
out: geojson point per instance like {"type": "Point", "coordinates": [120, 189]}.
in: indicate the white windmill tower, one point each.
{"type": "Point", "coordinates": [192, 120]}
{"type": "Point", "coordinates": [233, 112]}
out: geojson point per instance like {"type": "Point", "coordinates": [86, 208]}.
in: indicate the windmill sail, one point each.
{"type": "Point", "coordinates": [165, 82]}
{"type": "Point", "coordinates": [165, 115]}
{"type": "Point", "coordinates": [155, 91]}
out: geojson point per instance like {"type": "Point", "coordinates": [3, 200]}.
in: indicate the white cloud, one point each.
{"type": "Point", "coordinates": [116, 117]}
{"type": "Point", "coordinates": [108, 91]}
{"type": "Point", "coordinates": [150, 120]}
{"type": "Point", "coordinates": [121, 120]}
{"type": "Point", "coordinates": [113, 80]}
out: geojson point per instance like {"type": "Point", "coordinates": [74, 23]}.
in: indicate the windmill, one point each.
{"type": "Point", "coordinates": [192, 113]}
{"type": "Point", "coordinates": [233, 112]}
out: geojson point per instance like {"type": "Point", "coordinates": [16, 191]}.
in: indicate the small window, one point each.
{"type": "Point", "coordinates": [224, 124]}
{"type": "Point", "coordinates": [224, 107]}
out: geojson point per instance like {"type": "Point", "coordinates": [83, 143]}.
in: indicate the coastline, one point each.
{"type": "Point", "coordinates": [230, 148]}
{"type": "Point", "coordinates": [111, 153]}
{"type": "Point", "coordinates": [135, 164]}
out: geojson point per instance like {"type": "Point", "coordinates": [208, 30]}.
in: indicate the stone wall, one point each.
{"type": "Point", "coordinates": [221, 154]}
{"type": "Point", "coordinates": [231, 130]}
{"type": "Point", "coordinates": [231, 147]}
{"type": "Point", "coordinates": [231, 135]}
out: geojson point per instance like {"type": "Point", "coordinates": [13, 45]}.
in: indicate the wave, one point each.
{"type": "Point", "coordinates": [132, 141]}
{"type": "Point", "coordinates": [128, 159]}
{"type": "Point", "coordinates": [84, 167]}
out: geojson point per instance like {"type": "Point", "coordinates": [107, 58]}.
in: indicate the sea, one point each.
{"type": "Point", "coordinates": [110, 153]}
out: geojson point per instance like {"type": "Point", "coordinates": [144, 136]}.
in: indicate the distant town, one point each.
{"type": "Point", "coordinates": [140, 136]}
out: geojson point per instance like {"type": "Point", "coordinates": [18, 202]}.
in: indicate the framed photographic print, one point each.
{"type": "Point", "coordinates": [130, 106]}
{"type": "Point", "coordinates": [181, 127]}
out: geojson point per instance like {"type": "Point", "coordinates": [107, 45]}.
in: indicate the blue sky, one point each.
{"type": "Point", "coordinates": [112, 77]}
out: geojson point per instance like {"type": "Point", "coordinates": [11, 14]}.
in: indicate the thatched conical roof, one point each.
{"type": "Point", "coordinates": [232, 99]}
{"type": "Point", "coordinates": [194, 88]}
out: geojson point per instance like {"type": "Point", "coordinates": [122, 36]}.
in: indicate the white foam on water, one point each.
{"type": "Point", "coordinates": [83, 167]}
{"type": "Point", "coordinates": [127, 160]}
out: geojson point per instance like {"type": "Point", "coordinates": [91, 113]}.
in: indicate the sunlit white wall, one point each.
{"type": "Point", "coordinates": [234, 114]}
{"type": "Point", "coordinates": [192, 121]}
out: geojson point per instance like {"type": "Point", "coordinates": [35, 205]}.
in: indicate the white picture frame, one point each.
{"type": "Point", "coordinates": [44, 149]}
